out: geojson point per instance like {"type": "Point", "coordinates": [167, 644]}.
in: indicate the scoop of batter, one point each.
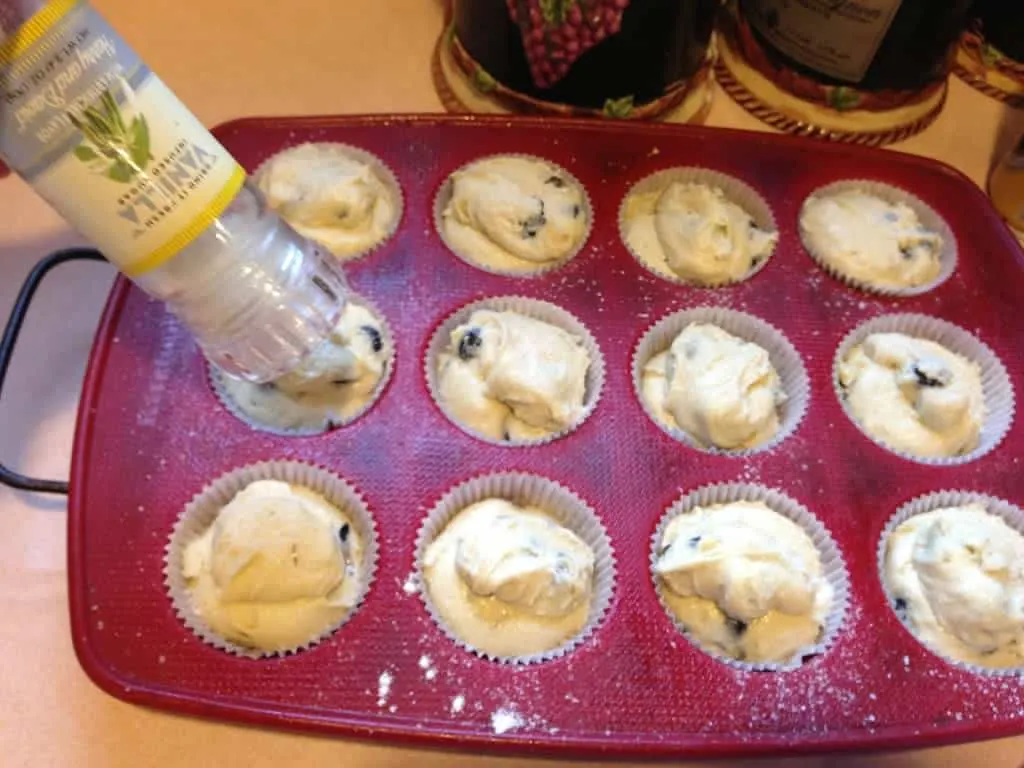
{"type": "Point", "coordinates": [914, 395]}
{"type": "Point", "coordinates": [331, 196]}
{"type": "Point", "coordinates": [957, 575]}
{"type": "Point", "coordinates": [721, 390]}
{"type": "Point", "coordinates": [333, 384]}
{"type": "Point", "coordinates": [696, 232]}
{"type": "Point", "coordinates": [514, 213]}
{"type": "Point", "coordinates": [745, 581]}
{"type": "Point", "coordinates": [509, 581]}
{"type": "Point", "coordinates": [276, 569]}
{"type": "Point", "coordinates": [512, 377]}
{"type": "Point", "coordinates": [870, 240]}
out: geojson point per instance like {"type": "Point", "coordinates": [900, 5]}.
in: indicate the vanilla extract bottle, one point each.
{"type": "Point", "coordinates": [111, 148]}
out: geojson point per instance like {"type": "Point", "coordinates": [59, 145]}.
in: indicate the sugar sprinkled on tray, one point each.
{"type": "Point", "coordinates": [384, 687]}
{"type": "Point", "coordinates": [427, 665]}
{"type": "Point", "coordinates": [411, 585]}
{"type": "Point", "coordinates": [504, 720]}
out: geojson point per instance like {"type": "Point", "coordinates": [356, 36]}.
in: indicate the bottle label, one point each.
{"type": "Point", "coordinates": [104, 141]}
{"type": "Point", "coordinates": [838, 38]}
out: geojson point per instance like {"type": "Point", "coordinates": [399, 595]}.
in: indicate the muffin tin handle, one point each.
{"type": "Point", "coordinates": [12, 331]}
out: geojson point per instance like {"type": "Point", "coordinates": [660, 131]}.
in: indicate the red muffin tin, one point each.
{"type": "Point", "coordinates": [151, 433]}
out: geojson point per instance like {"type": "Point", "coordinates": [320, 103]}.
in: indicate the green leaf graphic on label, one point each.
{"type": "Point", "coordinates": [121, 172]}
{"type": "Point", "coordinates": [140, 141]}
{"type": "Point", "coordinates": [85, 154]}
{"type": "Point", "coordinates": [105, 135]}
{"type": "Point", "coordinates": [618, 107]}
{"type": "Point", "coordinates": [113, 113]}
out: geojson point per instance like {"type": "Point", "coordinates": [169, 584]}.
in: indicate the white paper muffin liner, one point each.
{"type": "Point", "coordinates": [783, 355]}
{"type": "Point", "coordinates": [563, 506]}
{"type": "Point", "coordinates": [995, 381]}
{"type": "Point", "coordinates": [833, 567]}
{"type": "Point", "coordinates": [216, 377]}
{"type": "Point", "coordinates": [528, 268]}
{"type": "Point", "coordinates": [928, 217]}
{"type": "Point", "coordinates": [201, 512]}
{"type": "Point", "coordinates": [383, 172]}
{"type": "Point", "coordinates": [735, 190]}
{"type": "Point", "coordinates": [538, 310]}
{"type": "Point", "coordinates": [1012, 515]}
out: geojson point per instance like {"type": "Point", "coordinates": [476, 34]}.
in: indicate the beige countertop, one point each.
{"type": "Point", "coordinates": [228, 58]}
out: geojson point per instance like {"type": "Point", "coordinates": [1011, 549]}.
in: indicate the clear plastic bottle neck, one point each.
{"type": "Point", "coordinates": [257, 295]}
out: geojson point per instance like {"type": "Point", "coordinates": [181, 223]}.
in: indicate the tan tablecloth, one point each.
{"type": "Point", "coordinates": [228, 58]}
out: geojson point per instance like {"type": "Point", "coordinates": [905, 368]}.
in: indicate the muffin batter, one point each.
{"type": "Point", "coordinates": [865, 238]}
{"type": "Point", "coordinates": [332, 386]}
{"type": "Point", "coordinates": [744, 581]}
{"type": "Point", "coordinates": [509, 581]}
{"type": "Point", "coordinates": [514, 214]}
{"type": "Point", "coordinates": [914, 395]}
{"type": "Point", "coordinates": [276, 569]}
{"type": "Point", "coordinates": [719, 389]}
{"type": "Point", "coordinates": [332, 196]}
{"type": "Point", "coordinates": [512, 377]}
{"type": "Point", "coordinates": [695, 232]}
{"type": "Point", "coordinates": [957, 576]}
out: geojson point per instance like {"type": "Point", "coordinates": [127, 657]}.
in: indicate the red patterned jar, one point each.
{"type": "Point", "coordinates": [864, 71]}
{"type": "Point", "coordinates": [614, 58]}
{"type": "Point", "coordinates": [991, 52]}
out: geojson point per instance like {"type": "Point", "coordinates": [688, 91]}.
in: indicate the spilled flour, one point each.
{"type": "Point", "coordinates": [384, 688]}
{"type": "Point", "coordinates": [504, 720]}
{"type": "Point", "coordinates": [411, 585]}
{"type": "Point", "coordinates": [429, 672]}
